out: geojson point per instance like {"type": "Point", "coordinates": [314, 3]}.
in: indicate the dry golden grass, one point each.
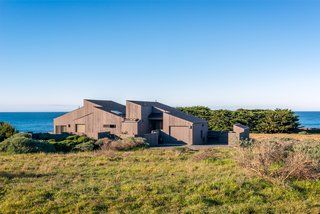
{"type": "Point", "coordinates": [281, 160]}
{"type": "Point", "coordinates": [292, 136]}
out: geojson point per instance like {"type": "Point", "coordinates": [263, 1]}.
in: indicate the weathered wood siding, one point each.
{"type": "Point", "coordinates": [93, 118]}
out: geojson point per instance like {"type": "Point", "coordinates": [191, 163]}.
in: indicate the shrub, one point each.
{"type": "Point", "coordinates": [303, 133]}
{"type": "Point", "coordinates": [86, 146]}
{"type": "Point", "coordinates": [108, 135]}
{"type": "Point", "coordinates": [82, 139]}
{"type": "Point", "coordinates": [123, 144]}
{"type": "Point", "coordinates": [75, 143]}
{"type": "Point", "coordinates": [23, 134]}
{"type": "Point", "coordinates": [199, 111]}
{"type": "Point", "coordinates": [23, 143]}
{"type": "Point", "coordinates": [221, 120]}
{"type": "Point", "coordinates": [6, 131]}
{"type": "Point", "coordinates": [50, 137]}
{"type": "Point", "coordinates": [246, 143]}
{"type": "Point", "coordinates": [281, 159]}
{"type": "Point", "coordinates": [277, 121]}
{"type": "Point", "coordinates": [260, 121]}
{"type": "Point", "coordinates": [310, 148]}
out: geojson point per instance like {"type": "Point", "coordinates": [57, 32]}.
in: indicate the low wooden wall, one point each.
{"type": "Point", "coordinates": [152, 138]}
{"type": "Point", "coordinates": [240, 132]}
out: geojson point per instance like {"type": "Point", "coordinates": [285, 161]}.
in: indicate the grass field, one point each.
{"type": "Point", "coordinates": [145, 181]}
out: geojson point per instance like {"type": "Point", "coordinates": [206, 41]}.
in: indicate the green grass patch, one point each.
{"type": "Point", "coordinates": [145, 181]}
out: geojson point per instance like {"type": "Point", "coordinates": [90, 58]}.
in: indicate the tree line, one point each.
{"type": "Point", "coordinates": [259, 121]}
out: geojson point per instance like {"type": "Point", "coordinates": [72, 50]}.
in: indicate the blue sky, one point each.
{"type": "Point", "coordinates": [221, 54]}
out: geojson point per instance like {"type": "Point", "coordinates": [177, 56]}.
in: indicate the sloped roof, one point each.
{"type": "Point", "coordinates": [143, 103]}
{"type": "Point", "coordinates": [170, 110]}
{"type": "Point", "coordinates": [109, 106]}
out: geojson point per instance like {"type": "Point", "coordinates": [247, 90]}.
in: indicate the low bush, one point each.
{"type": "Point", "coordinates": [303, 132]}
{"type": "Point", "coordinates": [23, 143]}
{"type": "Point", "coordinates": [310, 148]}
{"type": "Point", "coordinates": [246, 143]}
{"type": "Point", "coordinates": [50, 137]}
{"type": "Point", "coordinates": [43, 142]}
{"type": "Point", "coordinates": [86, 146]}
{"type": "Point", "coordinates": [6, 131]}
{"type": "Point", "coordinates": [125, 144]}
{"type": "Point", "coordinates": [281, 159]}
{"type": "Point", "coordinates": [75, 143]}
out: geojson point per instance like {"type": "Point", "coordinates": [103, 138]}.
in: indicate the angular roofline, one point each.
{"type": "Point", "coordinates": [171, 110]}
{"type": "Point", "coordinates": [94, 101]}
{"type": "Point", "coordinates": [141, 102]}
{"type": "Point", "coordinates": [165, 108]}
{"type": "Point", "coordinates": [105, 101]}
{"type": "Point", "coordinates": [102, 107]}
{"type": "Point", "coordinates": [69, 112]}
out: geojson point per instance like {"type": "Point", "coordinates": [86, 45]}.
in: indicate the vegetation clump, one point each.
{"type": "Point", "coordinates": [23, 143]}
{"type": "Point", "coordinates": [259, 121]}
{"type": "Point", "coordinates": [130, 143]}
{"type": "Point", "coordinates": [65, 143]}
{"type": "Point", "coordinates": [50, 137]}
{"type": "Point", "coordinates": [6, 131]}
{"type": "Point", "coordinates": [43, 142]}
{"type": "Point", "coordinates": [74, 143]}
{"type": "Point", "coordinates": [281, 159]}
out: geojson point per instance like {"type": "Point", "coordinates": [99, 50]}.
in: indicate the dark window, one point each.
{"type": "Point", "coordinates": [61, 129]}
{"type": "Point", "coordinates": [109, 126]}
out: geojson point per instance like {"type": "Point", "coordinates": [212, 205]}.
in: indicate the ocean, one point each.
{"type": "Point", "coordinates": [309, 119]}
{"type": "Point", "coordinates": [31, 121]}
{"type": "Point", "coordinates": [43, 121]}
